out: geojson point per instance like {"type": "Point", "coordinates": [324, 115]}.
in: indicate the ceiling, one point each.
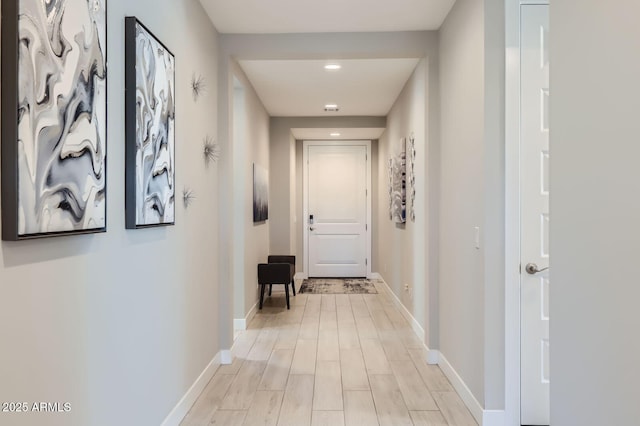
{"type": "Point", "coordinates": [295, 88]}
{"type": "Point", "coordinates": [312, 16]}
{"type": "Point", "coordinates": [302, 88]}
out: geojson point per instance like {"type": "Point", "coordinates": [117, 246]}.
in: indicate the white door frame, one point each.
{"type": "Point", "coordinates": [305, 198]}
{"type": "Point", "coordinates": [512, 210]}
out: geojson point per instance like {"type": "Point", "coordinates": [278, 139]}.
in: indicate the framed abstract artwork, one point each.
{"type": "Point", "coordinates": [54, 118]}
{"type": "Point", "coordinates": [260, 193]}
{"type": "Point", "coordinates": [399, 183]}
{"type": "Point", "coordinates": [149, 129]}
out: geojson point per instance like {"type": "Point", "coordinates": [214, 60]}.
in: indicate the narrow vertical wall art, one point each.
{"type": "Point", "coordinates": [412, 176]}
{"type": "Point", "coordinates": [260, 193]}
{"type": "Point", "coordinates": [399, 183]}
{"type": "Point", "coordinates": [149, 128]}
{"type": "Point", "coordinates": [54, 118]}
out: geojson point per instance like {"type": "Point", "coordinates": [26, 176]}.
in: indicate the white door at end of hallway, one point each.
{"type": "Point", "coordinates": [534, 208]}
{"type": "Point", "coordinates": [336, 197]}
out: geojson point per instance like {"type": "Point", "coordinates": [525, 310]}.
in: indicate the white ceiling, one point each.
{"type": "Point", "coordinates": [302, 88]}
{"type": "Point", "coordinates": [312, 16]}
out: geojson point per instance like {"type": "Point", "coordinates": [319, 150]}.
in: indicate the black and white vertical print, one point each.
{"type": "Point", "coordinates": [390, 170]}
{"type": "Point", "coordinates": [260, 193]}
{"type": "Point", "coordinates": [54, 117]}
{"type": "Point", "coordinates": [412, 176]}
{"type": "Point", "coordinates": [150, 128]}
{"type": "Point", "coordinates": [399, 183]}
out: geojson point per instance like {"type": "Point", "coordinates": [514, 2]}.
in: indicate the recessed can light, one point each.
{"type": "Point", "coordinates": [335, 134]}
{"type": "Point", "coordinates": [332, 67]}
{"type": "Point", "coordinates": [331, 106]}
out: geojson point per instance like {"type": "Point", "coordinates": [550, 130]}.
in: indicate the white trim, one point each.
{"type": "Point", "coordinates": [493, 418]}
{"type": "Point", "coordinates": [433, 357]}
{"type": "Point", "coordinates": [463, 391]}
{"type": "Point", "coordinates": [415, 325]}
{"type": "Point", "coordinates": [512, 214]}
{"type": "Point", "coordinates": [186, 402]}
{"type": "Point", "coordinates": [305, 202]}
{"type": "Point", "coordinates": [300, 276]}
{"type": "Point", "coordinates": [226, 357]}
{"type": "Point", "coordinates": [240, 324]}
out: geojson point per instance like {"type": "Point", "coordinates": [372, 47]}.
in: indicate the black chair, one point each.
{"type": "Point", "coordinates": [291, 260]}
{"type": "Point", "coordinates": [276, 273]}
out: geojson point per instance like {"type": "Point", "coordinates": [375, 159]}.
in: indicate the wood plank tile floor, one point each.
{"type": "Point", "coordinates": [331, 360]}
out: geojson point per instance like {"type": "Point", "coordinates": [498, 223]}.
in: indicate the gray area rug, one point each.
{"type": "Point", "coordinates": [338, 286]}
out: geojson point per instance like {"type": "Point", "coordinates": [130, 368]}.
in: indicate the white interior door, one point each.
{"type": "Point", "coordinates": [534, 215]}
{"type": "Point", "coordinates": [337, 209]}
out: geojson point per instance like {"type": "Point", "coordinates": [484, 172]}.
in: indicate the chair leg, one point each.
{"type": "Point", "coordinates": [270, 287]}
{"type": "Point", "coordinates": [261, 294]}
{"type": "Point", "coordinates": [286, 292]}
{"type": "Point", "coordinates": [293, 286]}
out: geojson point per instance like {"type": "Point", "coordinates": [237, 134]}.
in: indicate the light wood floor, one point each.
{"type": "Point", "coordinates": [330, 360]}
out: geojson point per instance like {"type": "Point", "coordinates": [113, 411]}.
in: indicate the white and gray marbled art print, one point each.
{"type": "Point", "coordinates": [260, 193]}
{"type": "Point", "coordinates": [399, 183]}
{"type": "Point", "coordinates": [155, 131]}
{"type": "Point", "coordinates": [61, 116]}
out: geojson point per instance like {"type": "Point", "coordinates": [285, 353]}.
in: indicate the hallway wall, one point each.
{"type": "Point", "coordinates": [471, 281]}
{"type": "Point", "coordinates": [595, 181]}
{"type": "Point", "coordinates": [250, 145]}
{"type": "Point", "coordinates": [402, 249]}
{"type": "Point", "coordinates": [121, 324]}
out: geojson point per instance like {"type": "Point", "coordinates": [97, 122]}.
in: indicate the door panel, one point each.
{"type": "Point", "coordinates": [337, 200]}
{"type": "Point", "coordinates": [535, 217]}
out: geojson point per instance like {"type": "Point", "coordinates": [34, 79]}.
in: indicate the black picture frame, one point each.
{"type": "Point", "coordinates": [50, 136]}
{"type": "Point", "coordinates": [149, 200]}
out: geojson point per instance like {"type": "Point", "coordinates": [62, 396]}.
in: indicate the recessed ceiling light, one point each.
{"type": "Point", "coordinates": [331, 108]}
{"type": "Point", "coordinates": [332, 67]}
{"type": "Point", "coordinates": [335, 135]}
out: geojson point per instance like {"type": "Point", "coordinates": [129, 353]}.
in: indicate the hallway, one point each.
{"type": "Point", "coordinates": [330, 360]}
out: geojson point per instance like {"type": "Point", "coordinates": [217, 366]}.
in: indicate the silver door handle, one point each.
{"type": "Point", "coordinates": [311, 228]}
{"type": "Point", "coordinates": [532, 269]}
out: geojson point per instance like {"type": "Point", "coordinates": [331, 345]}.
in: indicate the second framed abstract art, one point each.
{"type": "Point", "coordinates": [149, 128]}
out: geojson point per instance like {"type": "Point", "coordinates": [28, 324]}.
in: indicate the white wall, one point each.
{"type": "Point", "coordinates": [595, 182]}
{"type": "Point", "coordinates": [121, 324]}
{"type": "Point", "coordinates": [462, 179]}
{"type": "Point", "coordinates": [250, 145]}
{"type": "Point", "coordinates": [471, 286]}
{"type": "Point", "coordinates": [402, 249]}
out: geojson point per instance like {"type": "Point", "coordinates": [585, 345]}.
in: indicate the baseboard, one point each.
{"type": "Point", "coordinates": [300, 276]}
{"type": "Point", "coordinates": [493, 418]}
{"type": "Point", "coordinates": [433, 357]}
{"type": "Point", "coordinates": [376, 276]}
{"type": "Point", "coordinates": [415, 325]}
{"type": "Point", "coordinates": [186, 402]}
{"type": "Point", "coordinates": [461, 387]}
{"type": "Point", "coordinates": [241, 324]}
{"type": "Point", "coordinates": [226, 357]}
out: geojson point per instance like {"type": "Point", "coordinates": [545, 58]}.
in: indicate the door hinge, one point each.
{"type": "Point", "coordinates": [366, 262]}
{"type": "Point", "coordinates": [366, 227]}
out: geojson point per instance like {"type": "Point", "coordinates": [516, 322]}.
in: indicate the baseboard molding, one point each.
{"type": "Point", "coordinates": [241, 324]}
{"type": "Point", "coordinates": [433, 357]}
{"type": "Point", "coordinates": [494, 418]}
{"type": "Point", "coordinates": [186, 402]}
{"type": "Point", "coordinates": [463, 390]}
{"type": "Point", "coordinates": [300, 276]}
{"type": "Point", "coordinates": [226, 357]}
{"type": "Point", "coordinates": [415, 325]}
